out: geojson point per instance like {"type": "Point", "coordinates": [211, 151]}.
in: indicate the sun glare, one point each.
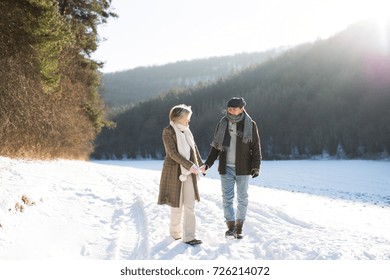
{"type": "Point", "coordinates": [382, 19]}
{"type": "Point", "coordinates": [376, 11]}
{"type": "Point", "coordinates": [381, 14]}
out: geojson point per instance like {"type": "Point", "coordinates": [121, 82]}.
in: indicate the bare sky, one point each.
{"type": "Point", "coordinates": [156, 32]}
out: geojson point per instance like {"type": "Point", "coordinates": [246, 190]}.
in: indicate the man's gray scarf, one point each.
{"type": "Point", "coordinates": [220, 142]}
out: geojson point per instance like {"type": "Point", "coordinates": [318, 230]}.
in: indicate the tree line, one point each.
{"type": "Point", "coordinates": [330, 98]}
{"type": "Point", "coordinates": [49, 100]}
{"type": "Point", "coordinates": [124, 89]}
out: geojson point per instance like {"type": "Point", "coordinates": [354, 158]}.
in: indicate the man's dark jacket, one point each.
{"type": "Point", "coordinates": [248, 155]}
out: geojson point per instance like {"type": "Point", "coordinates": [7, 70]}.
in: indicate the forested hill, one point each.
{"type": "Point", "coordinates": [126, 88]}
{"type": "Point", "coordinates": [328, 98]}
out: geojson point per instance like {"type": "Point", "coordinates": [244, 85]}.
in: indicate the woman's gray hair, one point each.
{"type": "Point", "coordinates": [179, 111]}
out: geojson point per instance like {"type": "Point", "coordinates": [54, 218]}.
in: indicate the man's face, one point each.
{"type": "Point", "coordinates": [235, 111]}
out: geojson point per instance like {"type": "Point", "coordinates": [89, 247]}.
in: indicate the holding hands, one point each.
{"type": "Point", "coordinates": [194, 169]}
{"type": "Point", "coordinates": [203, 169]}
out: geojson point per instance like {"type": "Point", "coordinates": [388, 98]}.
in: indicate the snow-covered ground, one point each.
{"type": "Point", "coordinates": [106, 210]}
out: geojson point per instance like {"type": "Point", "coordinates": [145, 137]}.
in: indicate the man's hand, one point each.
{"type": "Point", "coordinates": [255, 172]}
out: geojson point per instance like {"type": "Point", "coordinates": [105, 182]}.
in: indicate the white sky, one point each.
{"type": "Point", "coordinates": [156, 32]}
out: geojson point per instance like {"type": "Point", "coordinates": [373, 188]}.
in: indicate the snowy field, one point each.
{"type": "Point", "coordinates": [106, 210]}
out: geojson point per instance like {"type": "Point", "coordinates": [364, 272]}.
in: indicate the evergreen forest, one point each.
{"type": "Point", "coordinates": [329, 98]}
{"type": "Point", "coordinates": [50, 106]}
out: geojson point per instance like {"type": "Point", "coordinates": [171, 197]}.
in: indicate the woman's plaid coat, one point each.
{"type": "Point", "coordinates": [170, 185]}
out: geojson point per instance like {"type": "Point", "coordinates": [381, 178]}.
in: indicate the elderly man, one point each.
{"type": "Point", "coordinates": [237, 145]}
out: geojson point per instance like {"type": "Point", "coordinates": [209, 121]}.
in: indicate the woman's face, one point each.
{"type": "Point", "coordinates": [184, 120]}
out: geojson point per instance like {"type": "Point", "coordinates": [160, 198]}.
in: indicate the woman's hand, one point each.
{"type": "Point", "coordinates": [194, 169]}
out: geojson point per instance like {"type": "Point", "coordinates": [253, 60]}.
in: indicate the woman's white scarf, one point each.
{"type": "Point", "coordinates": [184, 139]}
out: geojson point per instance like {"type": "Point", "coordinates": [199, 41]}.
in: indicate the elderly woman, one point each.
{"type": "Point", "coordinates": [179, 176]}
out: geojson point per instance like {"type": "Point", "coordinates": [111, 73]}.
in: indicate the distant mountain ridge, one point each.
{"type": "Point", "coordinates": [142, 83]}
{"type": "Point", "coordinates": [330, 98]}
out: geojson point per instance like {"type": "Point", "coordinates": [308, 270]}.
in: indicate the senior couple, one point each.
{"type": "Point", "coordinates": [236, 144]}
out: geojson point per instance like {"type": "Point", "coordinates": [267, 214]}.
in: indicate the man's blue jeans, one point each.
{"type": "Point", "coordinates": [228, 181]}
